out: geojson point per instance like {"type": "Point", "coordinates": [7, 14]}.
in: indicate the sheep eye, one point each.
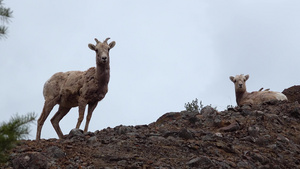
{"type": "Point", "coordinates": [234, 81]}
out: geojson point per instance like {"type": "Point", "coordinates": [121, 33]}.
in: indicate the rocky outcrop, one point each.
{"type": "Point", "coordinates": [264, 136]}
{"type": "Point", "coordinates": [292, 93]}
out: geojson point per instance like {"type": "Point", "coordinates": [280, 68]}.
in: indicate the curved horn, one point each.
{"type": "Point", "coordinates": [106, 40]}
{"type": "Point", "coordinates": [97, 40]}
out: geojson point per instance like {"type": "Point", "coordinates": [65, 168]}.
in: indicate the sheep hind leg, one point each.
{"type": "Point", "coordinates": [81, 110]}
{"type": "Point", "coordinates": [48, 106]}
{"type": "Point", "coordinates": [91, 109]}
{"type": "Point", "coordinates": [62, 111]}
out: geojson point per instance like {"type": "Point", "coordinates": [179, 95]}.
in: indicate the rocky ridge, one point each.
{"type": "Point", "coordinates": [263, 136]}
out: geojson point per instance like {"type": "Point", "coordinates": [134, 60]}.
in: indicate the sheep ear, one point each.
{"type": "Point", "coordinates": [112, 44]}
{"type": "Point", "coordinates": [231, 78]}
{"type": "Point", "coordinates": [247, 77]}
{"type": "Point", "coordinates": [91, 46]}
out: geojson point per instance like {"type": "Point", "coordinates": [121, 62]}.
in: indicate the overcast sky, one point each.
{"type": "Point", "coordinates": [167, 53]}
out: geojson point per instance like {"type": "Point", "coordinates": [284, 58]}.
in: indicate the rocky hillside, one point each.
{"type": "Point", "coordinates": [264, 136]}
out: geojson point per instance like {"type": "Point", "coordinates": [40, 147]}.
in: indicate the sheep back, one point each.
{"type": "Point", "coordinates": [259, 97]}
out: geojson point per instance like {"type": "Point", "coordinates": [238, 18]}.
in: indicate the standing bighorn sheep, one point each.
{"type": "Point", "coordinates": [253, 98]}
{"type": "Point", "coordinates": [77, 88]}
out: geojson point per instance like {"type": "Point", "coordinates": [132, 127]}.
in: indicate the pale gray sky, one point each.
{"type": "Point", "coordinates": [167, 54]}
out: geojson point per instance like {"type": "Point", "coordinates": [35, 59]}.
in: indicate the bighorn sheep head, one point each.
{"type": "Point", "coordinates": [239, 82]}
{"type": "Point", "coordinates": [102, 50]}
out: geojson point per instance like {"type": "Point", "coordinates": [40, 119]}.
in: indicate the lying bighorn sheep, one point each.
{"type": "Point", "coordinates": [77, 88]}
{"type": "Point", "coordinates": [253, 98]}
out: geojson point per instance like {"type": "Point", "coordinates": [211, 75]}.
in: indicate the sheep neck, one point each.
{"type": "Point", "coordinates": [102, 74]}
{"type": "Point", "coordinates": [239, 96]}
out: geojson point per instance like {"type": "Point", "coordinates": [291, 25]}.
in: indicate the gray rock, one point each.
{"type": "Point", "coordinates": [189, 114]}
{"type": "Point", "coordinates": [260, 158]}
{"type": "Point", "coordinates": [122, 163]}
{"type": "Point", "coordinates": [195, 162]}
{"type": "Point", "coordinates": [263, 140]}
{"type": "Point", "coordinates": [92, 140]}
{"type": "Point", "coordinates": [243, 164]}
{"type": "Point", "coordinates": [230, 128]}
{"type": "Point", "coordinates": [168, 117]}
{"type": "Point", "coordinates": [295, 112]}
{"type": "Point", "coordinates": [208, 112]}
{"type": "Point", "coordinates": [208, 137]}
{"type": "Point", "coordinates": [218, 121]}
{"type": "Point", "coordinates": [70, 166]}
{"type": "Point", "coordinates": [253, 131]}
{"type": "Point", "coordinates": [201, 162]}
{"type": "Point", "coordinates": [209, 115]}
{"type": "Point", "coordinates": [124, 129]}
{"type": "Point", "coordinates": [55, 152]}
{"type": "Point", "coordinates": [76, 132]}
{"type": "Point", "coordinates": [246, 107]}
{"type": "Point", "coordinates": [32, 160]}
{"type": "Point", "coordinates": [246, 112]}
{"type": "Point", "coordinates": [185, 134]}
{"type": "Point", "coordinates": [157, 138]}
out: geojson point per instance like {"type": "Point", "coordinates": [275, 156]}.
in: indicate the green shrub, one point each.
{"type": "Point", "coordinates": [17, 128]}
{"type": "Point", "coordinates": [193, 106]}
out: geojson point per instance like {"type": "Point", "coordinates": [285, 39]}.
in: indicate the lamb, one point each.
{"type": "Point", "coordinates": [77, 88]}
{"type": "Point", "coordinates": [253, 98]}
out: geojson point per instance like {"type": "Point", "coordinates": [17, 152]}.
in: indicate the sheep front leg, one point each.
{"type": "Point", "coordinates": [81, 115]}
{"type": "Point", "coordinates": [91, 109]}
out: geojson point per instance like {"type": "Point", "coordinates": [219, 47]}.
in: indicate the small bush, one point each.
{"type": "Point", "coordinates": [17, 128]}
{"type": "Point", "coordinates": [193, 106]}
